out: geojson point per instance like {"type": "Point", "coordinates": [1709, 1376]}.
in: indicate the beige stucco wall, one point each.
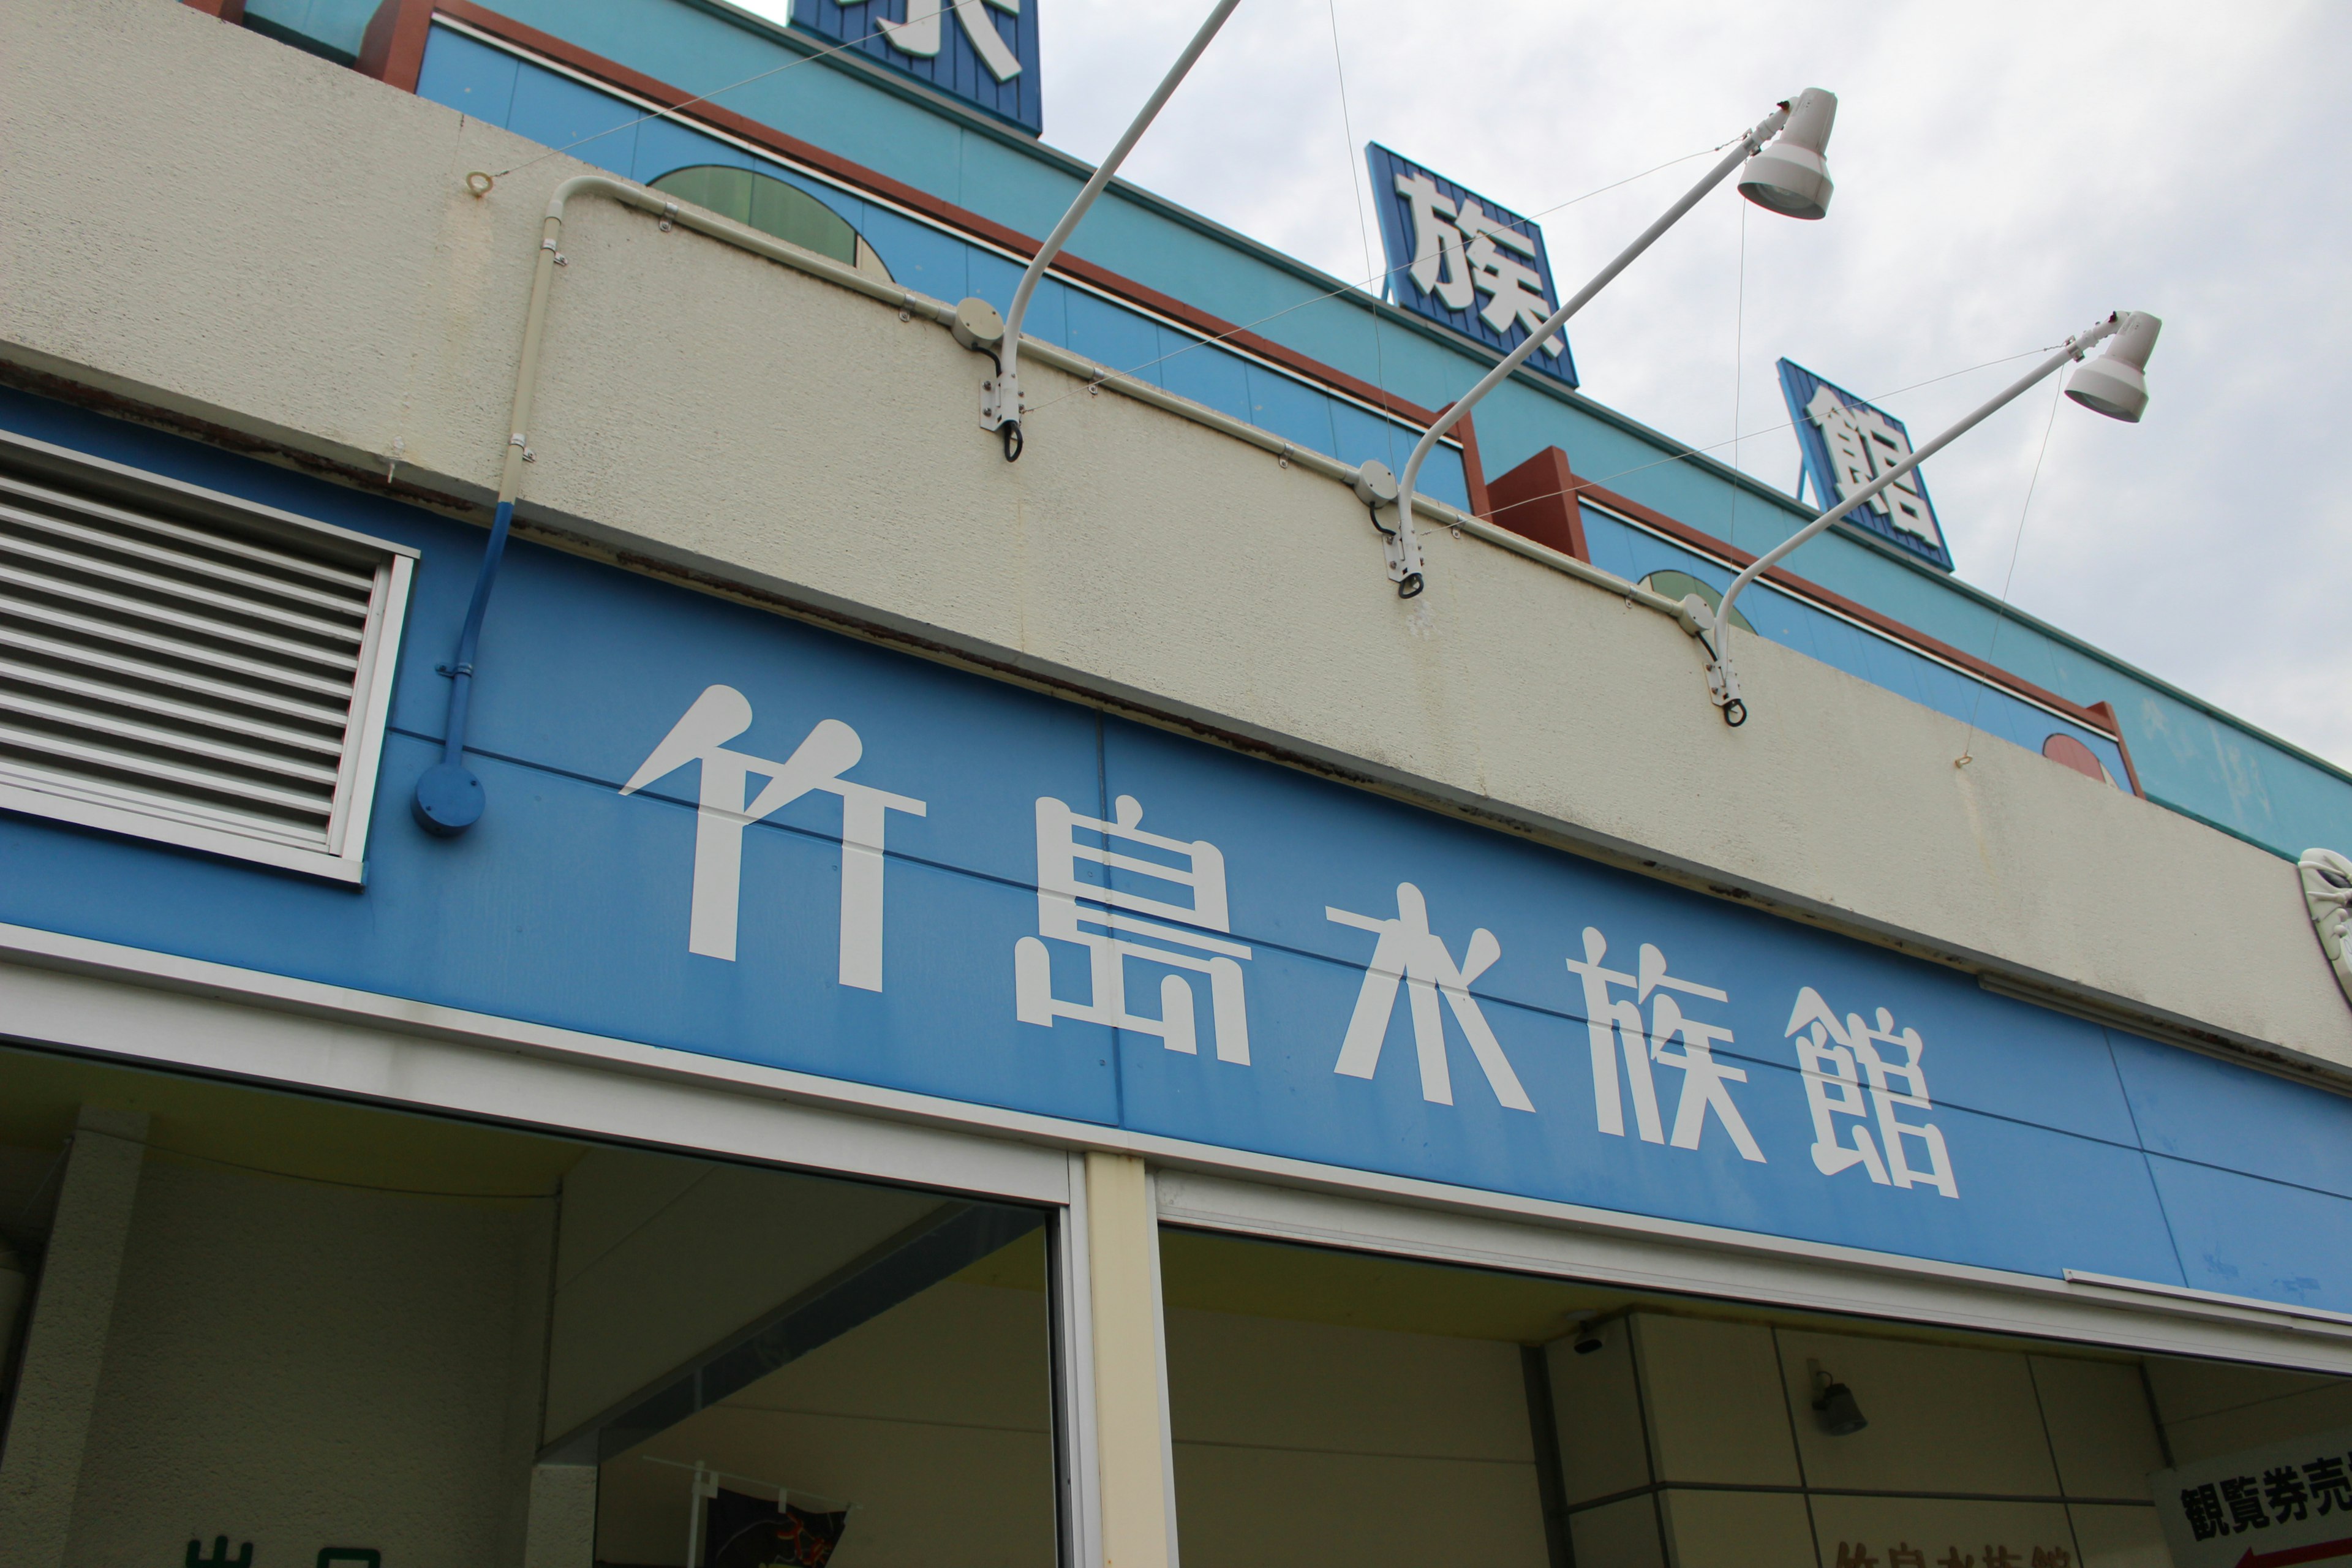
{"type": "Point", "coordinates": [206, 223]}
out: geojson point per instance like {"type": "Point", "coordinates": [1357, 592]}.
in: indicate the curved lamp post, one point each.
{"type": "Point", "coordinates": [1785, 174]}
{"type": "Point", "coordinates": [1000, 406]}
{"type": "Point", "coordinates": [2115, 385]}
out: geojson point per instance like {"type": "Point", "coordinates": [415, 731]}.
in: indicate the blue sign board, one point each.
{"type": "Point", "coordinates": [982, 51]}
{"type": "Point", "coordinates": [1459, 259]}
{"type": "Point", "coordinates": [720, 831]}
{"type": "Point", "coordinates": [1847, 444]}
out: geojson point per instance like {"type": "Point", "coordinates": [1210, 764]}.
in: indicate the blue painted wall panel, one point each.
{"type": "Point", "coordinates": [2246, 1237]}
{"type": "Point", "coordinates": [2198, 1109]}
{"type": "Point", "coordinates": [663, 145]}
{"type": "Point", "coordinates": [1207, 375]}
{"type": "Point", "coordinates": [571, 905]}
{"type": "Point", "coordinates": [336, 27]}
{"type": "Point", "coordinates": [470, 77]}
{"type": "Point", "coordinates": [1122, 341]}
{"type": "Point", "coordinates": [591, 126]}
{"type": "Point", "coordinates": [1293, 412]}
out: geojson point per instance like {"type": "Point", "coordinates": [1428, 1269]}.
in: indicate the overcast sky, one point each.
{"type": "Point", "coordinates": [2007, 172]}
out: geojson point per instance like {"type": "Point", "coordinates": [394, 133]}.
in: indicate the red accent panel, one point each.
{"type": "Point", "coordinates": [396, 17]}
{"type": "Point", "coordinates": [393, 48]}
{"type": "Point", "coordinates": [1474, 472]}
{"type": "Point", "coordinates": [2070, 752]}
{"type": "Point", "coordinates": [2326, 1551]}
{"type": "Point", "coordinates": [2107, 710]}
{"type": "Point", "coordinates": [1538, 500]}
{"type": "Point", "coordinates": [2101, 719]}
{"type": "Point", "coordinates": [232, 11]}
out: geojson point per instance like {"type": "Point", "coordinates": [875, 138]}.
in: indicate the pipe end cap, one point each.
{"type": "Point", "coordinates": [448, 800]}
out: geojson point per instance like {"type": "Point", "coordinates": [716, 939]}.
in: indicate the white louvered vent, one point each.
{"type": "Point", "coordinates": [182, 665]}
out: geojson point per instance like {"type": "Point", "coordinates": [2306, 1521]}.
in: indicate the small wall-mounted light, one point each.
{"type": "Point", "coordinates": [1834, 1406]}
{"type": "Point", "coordinates": [1586, 1332]}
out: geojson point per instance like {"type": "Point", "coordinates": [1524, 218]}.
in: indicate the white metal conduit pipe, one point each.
{"type": "Point", "coordinates": [1001, 406]}
{"type": "Point", "coordinates": [1789, 177]}
{"type": "Point", "coordinates": [2115, 384]}
{"type": "Point", "coordinates": [449, 798]}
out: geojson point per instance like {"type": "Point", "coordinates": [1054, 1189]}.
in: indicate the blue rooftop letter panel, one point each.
{"type": "Point", "coordinates": [982, 51]}
{"type": "Point", "coordinates": [1464, 262]}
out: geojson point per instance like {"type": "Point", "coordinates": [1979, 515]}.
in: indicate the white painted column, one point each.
{"type": "Point", "coordinates": [65, 1343]}
{"type": "Point", "coordinates": [1131, 1439]}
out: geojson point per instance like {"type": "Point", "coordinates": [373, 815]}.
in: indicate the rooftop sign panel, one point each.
{"type": "Point", "coordinates": [1847, 444]}
{"type": "Point", "coordinates": [982, 51]}
{"type": "Point", "coordinates": [1465, 262]}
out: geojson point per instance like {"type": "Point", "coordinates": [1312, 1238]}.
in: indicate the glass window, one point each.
{"type": "Point", "coordinates": [335, 1329]}
{"type": "Point", "coordinates": [1336, 1407]}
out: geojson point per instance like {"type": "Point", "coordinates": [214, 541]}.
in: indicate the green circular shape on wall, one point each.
{"type": "Point", "coordinates": [774, 207]}
{"type": "Point", "coordinates": [1680, 585]}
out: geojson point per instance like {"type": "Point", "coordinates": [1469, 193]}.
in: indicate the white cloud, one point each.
{"type": "Point", "coordinates": [2007, 172]}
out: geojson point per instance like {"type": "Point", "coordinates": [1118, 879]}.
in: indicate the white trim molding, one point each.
{"type": "Point", "coordinates": [173, 1012]}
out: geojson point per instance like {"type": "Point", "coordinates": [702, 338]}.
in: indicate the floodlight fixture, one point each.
{"type": "Point", "coordinates": [2115, 383]}
{"type": "Point", "coordinates": [1798, 185]}
{"type": "Point", "coordinates": [1001, 407]}
{"type": "Point", "coordinates": [2114, 386]}
{"type": "Point", "coordinates": [1790, 175]}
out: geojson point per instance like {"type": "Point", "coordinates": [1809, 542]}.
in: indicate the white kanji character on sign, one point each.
{"type": "Point", "coordinates": [1863, 444]}
{"type": "Point", "coordinates": [1089, 913]}
{"type": "Point", "coordinates": [1614, 1028]}
{"type": "Point", "coordinates": [919, 33]}
{"type": "Point", "coordinates": [1514, 289]}
{"type": "Point", "coordinates": [1852, 1070]}
{"type": "Point", "coordinates": [1408, 951]}
{"type": "Point", "coordinates": [830, 750]}
{"type": "Point", "coordinates": [1438, 266]}
{"type": "Point", "coordinates": [1460, 252]}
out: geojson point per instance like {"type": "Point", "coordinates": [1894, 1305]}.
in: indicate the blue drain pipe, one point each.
{"type": "Point", "coordinates": [449, 798]}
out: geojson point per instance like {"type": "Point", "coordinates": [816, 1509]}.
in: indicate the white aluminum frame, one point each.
{"type": "Point", "coordinates": [2085, 1309]}
{"type": "Point", "coordinates": [344, 857]}
{"type": "Point", "coordinates": [1078, 1468]}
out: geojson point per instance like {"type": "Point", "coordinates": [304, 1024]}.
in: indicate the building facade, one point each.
{"type": "Point", "coordinates": [1036, 1012]}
